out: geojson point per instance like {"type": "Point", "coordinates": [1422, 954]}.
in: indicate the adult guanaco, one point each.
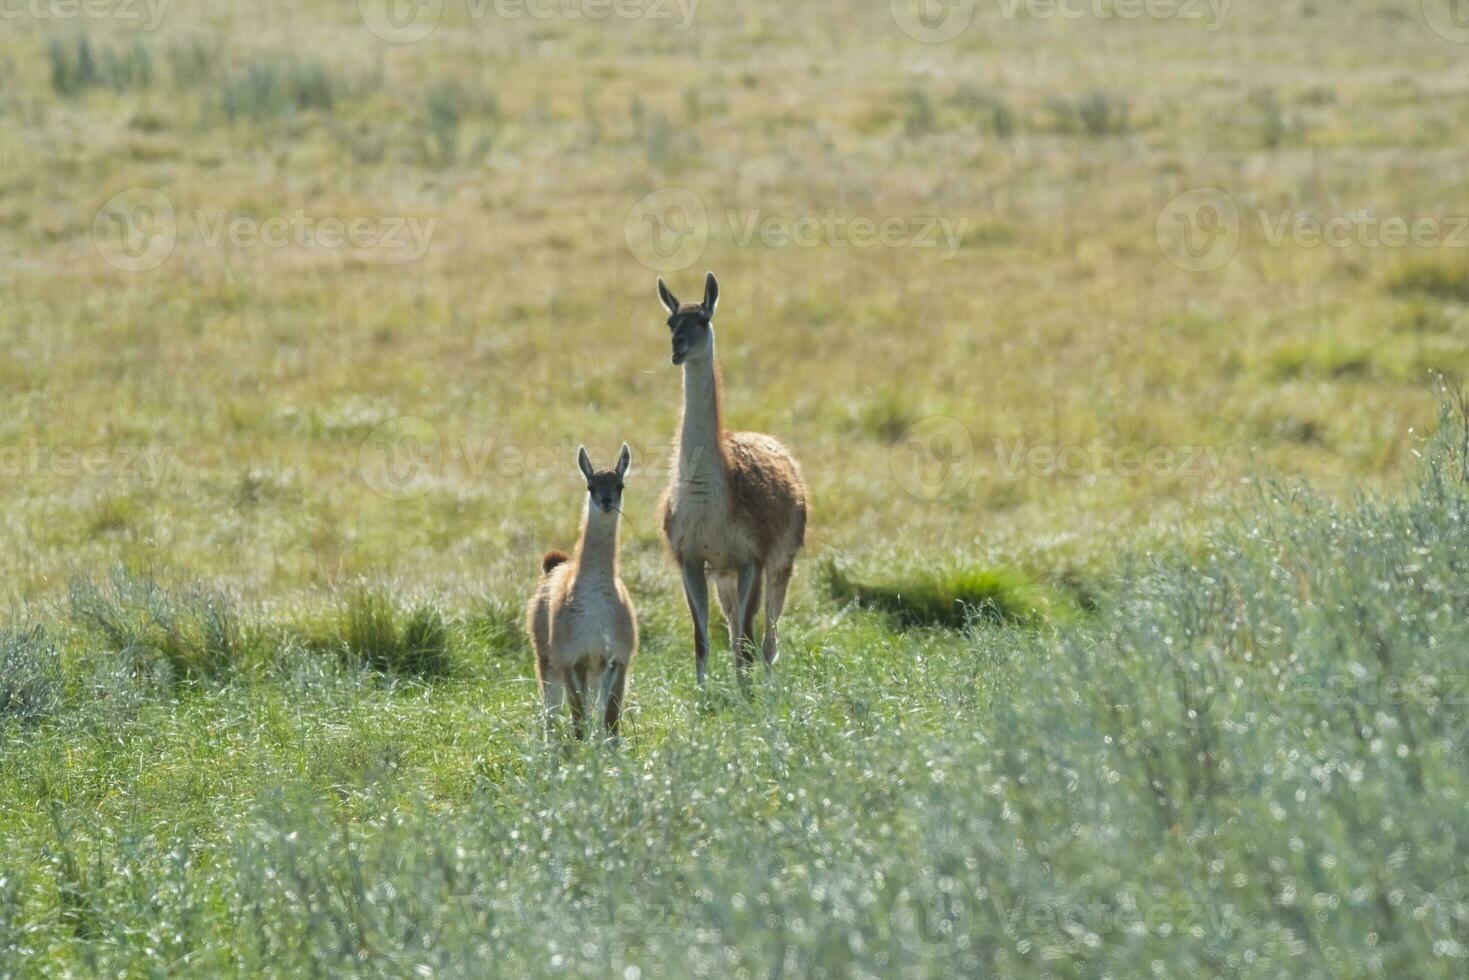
{"type": "Point", "coordinates": [736, 505]}
{"type": "Point", "coordinates": [580, 619]}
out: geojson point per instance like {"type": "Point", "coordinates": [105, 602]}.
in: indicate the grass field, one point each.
{"type": "Point", "coordinates": [305, 314]}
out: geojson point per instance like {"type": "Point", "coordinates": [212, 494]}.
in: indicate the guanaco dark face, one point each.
{"type": "Point", "coordinates": [605, 486]}
{"type": "Point", "coordinates": [692, 323]}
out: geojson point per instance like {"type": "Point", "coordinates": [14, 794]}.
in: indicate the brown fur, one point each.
{"type": "Point", "coordinates": [580, 616]}
{"type": "Point", "coordinates": [746, 521]}
{"type": "Point", "coordinates": [767, 494]}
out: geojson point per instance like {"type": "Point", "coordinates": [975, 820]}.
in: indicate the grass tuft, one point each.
{"type": "Point", "coordinates": [946, 598]}
{"type": "Point", "coordinates": [274, 88]}
{"type": "Point", "coordinates": [78, 67]}
{"type": "Point", "coordinates": [191, 635]}
{"type": "Point", "coordinates": [1440, 281]}
{"type": "Point", "coordinates": [1095, 114]}
{"type": "Point", "coordinates": [31, 683]}
{"type": "Point", "coordinates": [372, 630]}
{"type": "Point", "coordinates": [495, 629]}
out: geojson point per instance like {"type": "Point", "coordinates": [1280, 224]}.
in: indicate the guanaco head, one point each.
{"type": "Point", "coordinates": [692, 323]}
{"type": "Point", "coordinates": [605, 486]}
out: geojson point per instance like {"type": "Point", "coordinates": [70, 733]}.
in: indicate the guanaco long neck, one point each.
{"type": "Point", "coordinates": [700, 460]}
{"type": "Point", "coordinates": [596, 553]}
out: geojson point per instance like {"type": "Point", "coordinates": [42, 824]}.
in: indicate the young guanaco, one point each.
{"type": "Point", "coordinates": [580, 619]}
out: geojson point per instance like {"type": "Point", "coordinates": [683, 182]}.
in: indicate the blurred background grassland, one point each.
{"type": "Point", "coordinates": [255, 376]}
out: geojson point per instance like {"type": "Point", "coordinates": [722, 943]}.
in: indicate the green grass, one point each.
{"type": "Point", "coordinates": [371, 629]}
{"type": "Point", "coordinates": [31, 685]}
{"type": "Point", "coordinates": [949, 598]}
{"type": "Point", "coordinates": [1443, 281]}
{"type": "Point", "coordinates": [187, 635]}
{"type": "Point", "coordinates": [1249, 761]}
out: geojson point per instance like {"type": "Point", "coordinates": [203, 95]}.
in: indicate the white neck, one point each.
{"type": "Point", "coordinates": [596, 555]}
{"type": "Point", "coordinates": [699, 459]}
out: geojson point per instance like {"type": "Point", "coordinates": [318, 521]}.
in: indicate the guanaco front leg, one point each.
{"type": "Point", "coordinates": [696, 590]}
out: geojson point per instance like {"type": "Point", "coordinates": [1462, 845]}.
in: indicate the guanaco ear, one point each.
{"type": "Point", "coordinates": [669, 300]}
{"type": "Point", "coordinates": [583, 461]}
{"type": "Point", "coordinates": [624, 461]}
{"type": "Point", "coordinates": [711, 294]}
